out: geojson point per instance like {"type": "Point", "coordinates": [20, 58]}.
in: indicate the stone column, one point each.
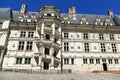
{"type": "Point", "coordinates": [41, 51]}
{"type": "Point", "coordinates": [1, 59]}
{"type": "Point", "coordinates": [42, 31]}
{"type": "Point", "coordinates": [52, 58]}
{"type": "Point", "coordinates": [40, 61]}
{"type": "Point", "coordinates": [53, 29]}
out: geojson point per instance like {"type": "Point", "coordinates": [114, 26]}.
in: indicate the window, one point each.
{"type": "Point", "coordinates": [110, 61]}
{"type": "Point", "coordinates": [114, 47]}
{"type": "Point", "coordinates": [55, 40]}
{"type": "Point", "coordinates": [116, 61]}
{"type": "Point", "coordinates": [85, 36]}
{"type": "Point", "coordinates": [103, 47]}
{"type": "Point", "coordinates": [72, 61]}
{"type": "Point", "coordinates": [29, 45]}
{"type": "Point", "coordinates": [30, 34]}
{"type": "Point", "coordinates": [65, 35]}
{"type": "Point", "coordinates": [55, 53]}
{"type": "Point", "coordinates": [66, 61]}
{"type": "Point", "coordinates": [97, 61]}
{"type": "Point", "coordinates": [86, 47]}
{"type": "Point", "coordinates": [23, 34]}
{"type": "Point", "coordinates": [104, 60]}
{"type": "Point", "coordinates": [47, 37]}
{"type": "Point", "coordinates": [66, 46]}
{"type": "Point", "coordinates": [47, 50]}
{"type": "Point", "coordinates": [21, 45]}
{"type": "Point", "coordinates": [91, 61]}
{"type": "Point", "coordinates": [111, 37]}
{"type": "Point", "coordinates": [101, 37]}
{"type": "Point", "coordinates": [27, 60]}
{"type": "Point", "coordinates": [18, 60]}
{"type": "Point", "coordinates": [84, 61]}
{"type": "Point", "coordinates": [48, 14]}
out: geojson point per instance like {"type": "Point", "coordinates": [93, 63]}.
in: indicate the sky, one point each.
{"type": "Point", "coordinates": [82, 6]}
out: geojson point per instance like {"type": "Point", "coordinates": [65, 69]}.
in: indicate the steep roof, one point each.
{"type": "Point", "coordinates": [5, 13]}
{"type": "Point", "coordinates": [90, 18]}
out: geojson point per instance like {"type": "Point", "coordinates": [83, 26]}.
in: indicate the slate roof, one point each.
{"type": "Point", "coordinates": [90, 18]}
{"type": "Point", "coordinates": [7, 13]}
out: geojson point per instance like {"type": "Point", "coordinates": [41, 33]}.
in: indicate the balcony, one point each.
{"type": "Point", "coordinates": [48, 28]}
{"type": "Point", "coordinates": [57, 60]}
{"type": "Point", "coordinates": [56, 45]}
{"type": "Point", "coordinates": [47, 42]}
{"type": "Point", "coordinates": [57, 33]}
{"type": "Point", "coordinates": [37, 41]}
{"type": "Point", "coordinates": [46, 58]}
{"type": "Point", "coordinates": [36, 54]}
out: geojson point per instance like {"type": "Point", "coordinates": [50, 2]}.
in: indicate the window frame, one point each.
{"type": "Point", "coordinates": [21, 45]}
{"type": "Point", "coordinates": [103, 48]}
{"type": "Point", "coordinates": [29, 45]}
{"type": "Point", "coordinates": [18, 60]}
{"type": "Point", "coordinates": [23, 34]}
{"type": "Point", "coordinates": [27, 61]}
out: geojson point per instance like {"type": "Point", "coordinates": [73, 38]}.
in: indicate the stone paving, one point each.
{"type": "Point", "coordinates": [72, 76]}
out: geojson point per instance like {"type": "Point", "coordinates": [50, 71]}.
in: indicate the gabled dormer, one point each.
{"type": "Point", "coordinates": [83, 20]}
{"type": "Point", "coordinates": [98, 21]}
{"type": "Point", "coordinates": [49, 12]}
{"type": "Point", "coordinates": [108, 21]}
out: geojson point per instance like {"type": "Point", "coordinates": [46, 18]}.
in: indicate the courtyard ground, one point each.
{"type": "Point", "coordinates": [73, 76]}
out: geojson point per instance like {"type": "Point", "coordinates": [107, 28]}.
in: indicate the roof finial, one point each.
{"type": "Point", "coordinates": [23, 9]}
{"type": "Point", "coordinates": [110, 12]}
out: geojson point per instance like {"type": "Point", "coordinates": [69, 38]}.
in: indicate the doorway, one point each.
{"type": "Point", "coordinates": [46, 66]}
{"type": "Point", "coordinates": [104, 66]}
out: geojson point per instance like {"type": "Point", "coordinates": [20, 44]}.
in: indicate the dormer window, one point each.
{"type": "Point", "coordinates": [26, 16]}
{"type": "Point", "coordinates": [45, 14]}
{"type": "Point", "coordinates": [52, 14]}
{"type": "Point", "coordinates": [33, 16]}
{"type": "Point", "coordinates": [84, 20]}
{"type": "Point", "coordinates": [98, 21]}
{"type": "Point", "coordinates": [49, 14]}
{"type": "Point", "coordinates": [65, 18]}
{"type": "Point", "coordinates": [108, 21]}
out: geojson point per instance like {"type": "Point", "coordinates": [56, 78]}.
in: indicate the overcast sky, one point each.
{"type": "Point", "coordinates": [82, 6]}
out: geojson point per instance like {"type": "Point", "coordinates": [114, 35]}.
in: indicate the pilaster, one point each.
{"type": "Point", "coordinates": [42, 31]}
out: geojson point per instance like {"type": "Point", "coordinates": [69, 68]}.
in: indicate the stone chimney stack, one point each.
{"type": "Point", "coordinates": [74, 12]}
{"type": "Point", "coordinates": [110, 13]}
{"type": "Point", "coordinates": [70, 11]}
{"type": "Point", "coordinates": [23, 9]}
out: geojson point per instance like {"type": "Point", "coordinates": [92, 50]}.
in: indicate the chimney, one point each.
{"type": "Point", "coordinates": [23, 9]}
{"type": "Point", "coordinates": [110, 13]}
{"type": "Point", "coordinates": [69, 11]}
{"type": "Point", "coordinates": [74, 12]}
